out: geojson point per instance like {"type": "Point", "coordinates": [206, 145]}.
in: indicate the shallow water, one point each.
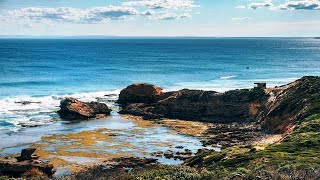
{"type": "Point", "coordinates": [94, 141]}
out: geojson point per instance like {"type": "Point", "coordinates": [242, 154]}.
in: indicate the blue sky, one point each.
{"type": "Point", "coordinates": [160, 17]}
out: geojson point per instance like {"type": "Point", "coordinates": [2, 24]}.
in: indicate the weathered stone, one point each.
{"type": "Point", "coordinates": [73, 109]}
{"type": "Point", "coordinates": [140, 93]}
{"type": "Point", "coordinates": [210, 106]}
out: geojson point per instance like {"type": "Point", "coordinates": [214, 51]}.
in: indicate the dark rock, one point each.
{"type": "Point", "coordinates": [16, 167]}
{"type": "Point", "coordinates": [73, 109]}
{"type": "Point", "coordinates": [168, 154]}
{"type": "Point", "coordinates": [137, 109]}
{"type": "Point", "coordinates": [131, 162]}
{"type": "Point", "coordinates": [203, 150]}
{"type": "Point", "coordinates": [26, 154]}
{"type": "Point", "coordinates": [27, 102]}
{"type": "Point", "coordinates": [228, 135]}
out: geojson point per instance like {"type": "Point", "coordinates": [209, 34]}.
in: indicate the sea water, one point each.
{"type": "Point", "coordinates": [43, 71]}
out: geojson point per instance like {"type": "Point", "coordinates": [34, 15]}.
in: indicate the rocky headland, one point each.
{"type": "Point", "coordinates": [289, 114]}
{"type": "Point", "coordinates": [276, 109]}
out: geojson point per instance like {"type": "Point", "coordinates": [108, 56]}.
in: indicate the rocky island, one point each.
{"type": "Point", "coordinates": [263, 133]}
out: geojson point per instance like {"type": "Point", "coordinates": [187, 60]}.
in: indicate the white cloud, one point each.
{"type": "Point", "coordinates": [288, 5]}
{"type": "Point", "coordinates": [300, 5]}
{"type": "Point", "coordinates": [67, 14]}
{"type": "Point", "coordinates": [148, 13]}
{"type": "Point", "coordinates": [258, 5]}
{"type": "Point", "coordinates": [241, 18]}
{"type": "Point", "coordinates": [171, 16]}
{"type": "Point", "coordinates": [185, 15]}
{"type": "Point", "coordinates": [240, 7]}
{"type": "Point", "coordinates": [163, 4]}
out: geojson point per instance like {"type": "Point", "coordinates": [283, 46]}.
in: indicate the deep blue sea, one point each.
{"type": "Point", "coordinates": [45, 70]}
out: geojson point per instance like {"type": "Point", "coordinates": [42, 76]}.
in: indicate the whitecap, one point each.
{"type": "Point", "coordinates": [227, 77]}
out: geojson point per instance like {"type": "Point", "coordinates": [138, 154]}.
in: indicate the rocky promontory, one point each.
{"type": "Point", "coordinates": [276, 109]}
{"type": "Point", "coordinates": [73, 109]}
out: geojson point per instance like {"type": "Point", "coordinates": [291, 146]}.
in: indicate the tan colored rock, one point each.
{"type": "Point", "coordinates": [140, 93]}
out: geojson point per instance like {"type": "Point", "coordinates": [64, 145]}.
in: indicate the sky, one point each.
{"type": "Point", "coordinates": [203, 18]}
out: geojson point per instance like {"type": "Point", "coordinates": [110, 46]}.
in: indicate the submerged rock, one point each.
{"type": "Point", "coordinates": [73, 109]}
{"type": "Point", "coordinates": [27, 102]}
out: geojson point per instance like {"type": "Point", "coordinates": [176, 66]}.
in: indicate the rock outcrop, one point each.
{"type": "Point", "coordinates": [16, 167]}
{"type": "Point", "coordinates": [73, 109]}
{"type": "Point", "coordinates": [141, 93]}
{"type": "Point", "coordinates": [26, 154]}
{"type": "Point", "coordinates": [276, 109]}
{"type": "Point", "coordinates": [209, 106]}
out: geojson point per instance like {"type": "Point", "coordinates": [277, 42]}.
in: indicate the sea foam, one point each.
{"type": "Point", "coordinates": [27, 111]}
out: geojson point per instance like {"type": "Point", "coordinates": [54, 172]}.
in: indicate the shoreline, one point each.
{"type": "Point", "coordinates": [89, 155]}
{"type": "Point", "coordinates": [173, 128]}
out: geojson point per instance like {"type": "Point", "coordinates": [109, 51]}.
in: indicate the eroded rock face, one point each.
{"type": "Point", "coordinates": [73, 109]}
{"type": "Point", "coordinates": [276, 109]}
{"type": "Point", "coordinates": [291, 103]}
{"type": "Point", "coordinates": [210, 106]}
{"type": "Point", "coordinates": [140, 93]}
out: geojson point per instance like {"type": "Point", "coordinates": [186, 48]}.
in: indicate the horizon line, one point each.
{"type": "Point", "coordinates": [142, 36]}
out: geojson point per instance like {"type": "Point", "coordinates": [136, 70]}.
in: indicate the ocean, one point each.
{"type": "Point", "coordinates": [43, 71]}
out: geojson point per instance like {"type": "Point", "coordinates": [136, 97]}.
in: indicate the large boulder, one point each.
{"type": "Point", "coordinates": [140, 93]}
{"type": "Point", "coordinates": [73, 109]}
